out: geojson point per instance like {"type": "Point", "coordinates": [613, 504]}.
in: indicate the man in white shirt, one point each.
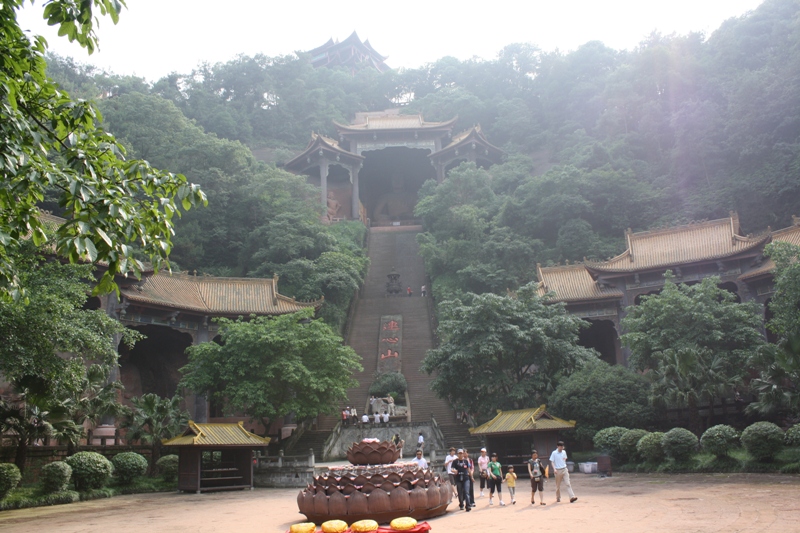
{"type": "Point", "coordinates": [420, 442]}
{"type": "Point", "coordinates": [422, 464]}
{"type": "Point", "coordinates": [385, 417]}
{"type": "Point", "coordinates": [365, 420]}
{"type": "Point", "coordinates": [377, 419]}
{"type": "Point", "coordinates": [448, 464]}
{"type": "Point", "coordinates": [559, 461]}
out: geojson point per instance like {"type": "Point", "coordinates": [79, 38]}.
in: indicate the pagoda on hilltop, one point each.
{"type": "Point", "coordinates": [351, 53]}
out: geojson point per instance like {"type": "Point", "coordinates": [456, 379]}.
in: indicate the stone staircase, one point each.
{"type": "Point", "coordinates": [395, 247]}
{"type": "Point", "coordinates": [311, 439]}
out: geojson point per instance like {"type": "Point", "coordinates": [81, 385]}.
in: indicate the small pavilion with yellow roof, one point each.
{"type": "Point", "coordinates": [513, 434]}
{"type": "Point", "coordinates": [215, 457]}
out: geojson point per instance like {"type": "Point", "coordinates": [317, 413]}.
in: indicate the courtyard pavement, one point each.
{"type": "Point", "coordinates": [640, 503]}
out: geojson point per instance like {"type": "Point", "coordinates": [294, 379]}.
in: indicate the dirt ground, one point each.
{"type": "Point", "coordinates": [624, 503]}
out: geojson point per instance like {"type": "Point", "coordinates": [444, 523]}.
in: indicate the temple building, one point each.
{"type": "Point", "coordinates": [351, 53]}
{"type": "Point", "coordinates": [599, 292]}
{"type": "Point", "coordinates": [374, 169]}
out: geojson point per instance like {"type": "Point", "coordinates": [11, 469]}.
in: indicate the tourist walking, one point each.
{"type": "Point", "coordinates": [559, 461]}
{"type": "Point", "coordinates": [511, 483]}
{"type": "Point", "coordinates": [461, 473]}
{"type": "Point", "coordinates": [538, 473]}
{"type": "Point", "coordinates": [409, 291]}
{"type": "Point", "coordinates": [495, 480]}
{"type": "Point", "coordinates": [423, 291]}
{"type": "Point", "coordinates": [448, 466]}
{"type": "Point", "coordinates": [420, 442]}
{"type": "Point", "coordinates": [354, 416]}
{"type": "Point", "coordinates": [345, 416]}
{"type": "Point", "coordinates": [483, 472]}
{"type": "Point", "coordinates": [471, 477]}
{"type": "Point", "coordinates": [420, 461]}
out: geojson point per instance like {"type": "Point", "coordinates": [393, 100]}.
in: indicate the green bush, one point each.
{"type": "Point", "coordinates": [792, 436]}
{"type": "Point", "coordinates": [762, 440]}
{"type": "Point", "coordinates": [388, 382]}
{"type": "Point", "coordinates": [55, 477]}
{"type": "Point", "coordinates": [649, 447]}
{"type": "Point", "coordinates": [628, 442]}
{"type": "Point", "coordinates": [679, 443]}
{"type": "Point", "coordinates": [128, 466]}
{"type": "Point", "coordinates": [9, 478]}
{"type": "Point", "coordinates": [168, 466]}
{"type": "Point", "coordinates": [719, 440]}
{"type": "Point", "coordinates": [90, 470]}
{"type": "Point", "coordinates": [791, 468]}
{"type": "Point", "coordinates": [607, 441]}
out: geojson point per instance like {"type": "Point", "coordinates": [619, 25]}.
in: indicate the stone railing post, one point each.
{"type": "Point", "coordinates": [280, 458]}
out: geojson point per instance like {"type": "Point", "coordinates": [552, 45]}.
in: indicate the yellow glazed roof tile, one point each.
{"type": "Point", "coordinates": [572, 283]}
{"type": "Point", "coordinates": [703, 241]}
{"type": "Point", "coordinates": [212, 295]}
{"type": "Point", "coordinates": [521, 420]}
{"type": "Point", "coordinates": [790, 235]}
{"type": "Point", "coordinates": [217, 435]}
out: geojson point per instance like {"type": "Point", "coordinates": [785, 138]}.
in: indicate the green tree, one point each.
{"type": "Point", "coordinates": [601, 395]}
{"type": "Point", "coordinates": [694, 340]}
{"type": "Point", "coordinates": [503, 352]}
{"type": "Point", "coordinates": [153, 419]}
{"type": "Point", "coordinates": [778, 385]}
{"type": "Point", "coordinates": [50, 142]}
{"type": "Point", "coordinates": [270, 367]}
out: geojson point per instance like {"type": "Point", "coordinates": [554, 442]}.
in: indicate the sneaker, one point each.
{"type": "Point", "coordinates": [544, 503]}
{"type": "Point", "coordinates": [558, 500]}
{"type": "Point", "coordinates": [469, 508]}
{"type": "Point", "coordinates": [513, 502]}
{"type": "Point", "coordinates": [502, 503]}
{"type": "Point", "coordinates": [573, 499]}
{"type": "Point", "coordinates": [491, 502]}
{"type": "Point", "coordinates": [481, 496]}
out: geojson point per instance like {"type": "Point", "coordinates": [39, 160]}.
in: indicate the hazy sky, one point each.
{"type": "Point", "coordinates": [156, 37]}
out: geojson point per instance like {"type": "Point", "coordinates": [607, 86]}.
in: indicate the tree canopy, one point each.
{"type": "Point", "coordinates": [503, 352]}
{"type": "Point", "coordinates": [52, 144]}
{"type": "Point", "coordinates": [270, 367]}
{"type": "Point", "coordinates": [695, 341]}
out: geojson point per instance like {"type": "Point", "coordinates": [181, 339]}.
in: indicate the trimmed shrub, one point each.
{"type": "Point", "coordinates": [55, 477]}
{"type": "Point", "coordinates": [628, 442]}
{"type": "Point", "coordinates": [792, 436]}
{"type": "Point", "coordinates": [719, 440]}
{"type": "Point", "coordinates": [762, 440]}
{"type": "Point", "coordinates": [607, 440]}
{"type": "Point", "coordinates": [128, 466]}
{"type": "Point", "coordinates": [679, 443]}
{"type": "Point", "coordinates": [168, 466]}
{"type": "Point", "coordinates": [649, 447]}
{"type": "Point", "coordinates": [90, 470]}
{"type": "Point", "coordinates": [9, 478]}
{"type": "Point", "coordinates": [388, 382]}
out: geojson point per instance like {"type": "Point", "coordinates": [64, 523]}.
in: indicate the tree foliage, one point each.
{"type": "Point", "coordinates": [503, 352]}
{"type": "Point", "coordinates": [270, 367]}
{"type": "Point", "coordinates": [114, 207]}
{"type": "Point", "coordinates": [599, 395]}
{"type": "Point", "coordinates": [695, 341]}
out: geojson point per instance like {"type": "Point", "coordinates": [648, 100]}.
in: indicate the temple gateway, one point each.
{"type": "Point", "coordinates": [375, 167]}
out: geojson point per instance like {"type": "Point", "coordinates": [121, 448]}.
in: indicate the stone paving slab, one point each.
{"type": "Point", "coordinates": [640, 503]}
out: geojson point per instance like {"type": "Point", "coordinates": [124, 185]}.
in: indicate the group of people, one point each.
{"type": "Point", "coordinates": [461, 470]}
{"type": "Point", "coordinates": [422, 292]}
{"type": "Point", "coordinates": [350, 416]}
{"type": "Point", "coordinates": [376, 403]}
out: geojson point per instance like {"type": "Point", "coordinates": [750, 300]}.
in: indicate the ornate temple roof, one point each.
{"type": "Point", "coordinates": [351, 52]}
{"type": "Point", "coordinates": [573, 283]}
{"type": "Point", "coordinates": [218, 435]}
{"type": "Point", "coordinates": [214, 296]}
{"type": "Point", "coordinates": [471, 139]}
{"type": "Point", "coordinates": [790, 235]}
{"type": "Point", "coordinates": [522, 420]}
{"type": "Point", "coordinates": [328, 147]}
{"type": "Point", "coordinates": [390, 120]}
{"type": "Point", "coordinates": [692, 243]}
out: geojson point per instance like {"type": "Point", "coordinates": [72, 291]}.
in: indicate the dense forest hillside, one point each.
{"type": "Point", "coordinates": [597, 141]}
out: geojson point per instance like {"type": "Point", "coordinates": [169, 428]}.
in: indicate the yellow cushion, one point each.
{"type": "Point", "coordinates": [305, 527]}
{"type": "Point", "coordinates": [403, 523]}
{"type": "Point", "coordinates": [334, 526]}
{"type": "Point", "coordinates": [364, 525]}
